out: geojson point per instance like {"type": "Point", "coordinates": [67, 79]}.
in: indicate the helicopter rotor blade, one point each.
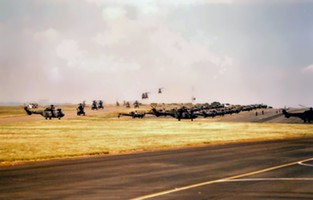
{"type": "Point", "coordinates": [303, 106]}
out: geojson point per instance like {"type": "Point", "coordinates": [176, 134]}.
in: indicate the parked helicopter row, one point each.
{"type": "Point", "coordinates": [180, 113]}
{"type": "Point", "coordinates": [195, 111]}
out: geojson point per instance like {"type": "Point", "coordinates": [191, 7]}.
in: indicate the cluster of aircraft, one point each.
{"type": "Point", "coordinates": [194, 112]}
{"type": "Point", "coordinates": [191, 112]}
{"type": "Point", "coordinates": [52, 112]}
{"type": "Point", "coordinates": [183, 112]}
{"type": "Point", "coordinates": [145, 95]}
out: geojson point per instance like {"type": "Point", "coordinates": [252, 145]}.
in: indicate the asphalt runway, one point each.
{"type": "Point", "coordinates": [263, 170]}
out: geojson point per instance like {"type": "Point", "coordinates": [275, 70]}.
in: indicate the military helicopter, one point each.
{"type": "Point", "coordinates": [47, 113]}
{"type": "Point", "coordinates": [133, 114]}
{"type": "Point", "coordinates": [180, 113]}
{"type": "Point", "coordinates": [161, 112]}
{"type": "Point", "coordinates": [145, 95]}
{"type": "Point", "coordinates": [206, 114]}
{"type": "Point", "coordinates": [184, 113]}
{"type": "Point", "coordinates": [160, 90]}
{"type": "Point", "coordinates": [306, 116]}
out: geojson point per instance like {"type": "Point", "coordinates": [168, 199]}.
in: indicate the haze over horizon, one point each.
{"type": "Point", "coordinates": [232, 51]}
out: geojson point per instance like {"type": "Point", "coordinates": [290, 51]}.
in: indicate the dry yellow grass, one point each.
{"type": "Point", "coordinates": [106, 134]}
{"type": "Point", "coordinates": [11, 111]}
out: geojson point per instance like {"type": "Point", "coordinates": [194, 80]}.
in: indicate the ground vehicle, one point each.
{"type": "Point", "coordinates": [80, 110]}
{"type": "Point", "coordinates": [94, 105]}
{"type": "Point", "coordinates": [100, 105]}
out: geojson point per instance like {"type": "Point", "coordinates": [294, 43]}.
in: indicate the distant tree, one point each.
{"type": "Point", "coordinates": [206, 104]}
{"type": "Point", "coordinates": [215, 104]}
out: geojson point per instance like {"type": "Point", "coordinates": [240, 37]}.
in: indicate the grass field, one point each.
{"type": "Point", "coordinates": [10, 111]}
{"type": "Point", "coordinates": [103, 133]}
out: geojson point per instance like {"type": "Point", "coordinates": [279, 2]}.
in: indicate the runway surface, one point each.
{"type": "Point", "coordinates": [263, 170]}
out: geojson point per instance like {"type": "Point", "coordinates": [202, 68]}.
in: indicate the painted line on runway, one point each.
{"type": "Point", "coordinates": [219, 180]}
{"type": "Point", "coordinates": [305, 164]}
{"type": "Point", "coordinates": [268, 179]}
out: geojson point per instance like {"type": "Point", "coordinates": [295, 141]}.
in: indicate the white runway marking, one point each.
{"type": "Point", "coordinates": [268, 179]}
{"type": "Point", "coordinates": [305, 164]}
{"type": "Point", "coordinates": [220, 180]}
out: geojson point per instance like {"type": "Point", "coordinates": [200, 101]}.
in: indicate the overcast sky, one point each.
{"type": "Point", "coordinates": [235, 51]}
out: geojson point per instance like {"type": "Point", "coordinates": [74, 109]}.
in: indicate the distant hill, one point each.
{"type": "Point", "coordinates": [22, 103]}
{"type": "Point", "coordinates": [11, 104]}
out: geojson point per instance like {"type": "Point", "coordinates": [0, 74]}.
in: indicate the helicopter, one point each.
{"type": "Point", "coordinates": [145, 95]}
{"type": "Point", "coordinates": [133, 114]}
{"type": "Point", "coordinates": [206, 114]}
{"type": "Point", "coordinates": [47, 113]}
{"type": "Point", "coordinates": [179, 114]}
{"type": "Point", "coordinates": [184, 113]}
{"type": "Point", "coordinates": [306, 116]}
{"type": "Point", "coordinates": [159, 113]}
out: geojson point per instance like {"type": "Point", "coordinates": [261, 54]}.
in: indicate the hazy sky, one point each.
{"type": "Point", "coordinates": [236, 51]}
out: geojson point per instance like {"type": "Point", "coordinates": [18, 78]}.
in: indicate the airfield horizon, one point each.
{"type": "Point", "coordinates": [26, 138]}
